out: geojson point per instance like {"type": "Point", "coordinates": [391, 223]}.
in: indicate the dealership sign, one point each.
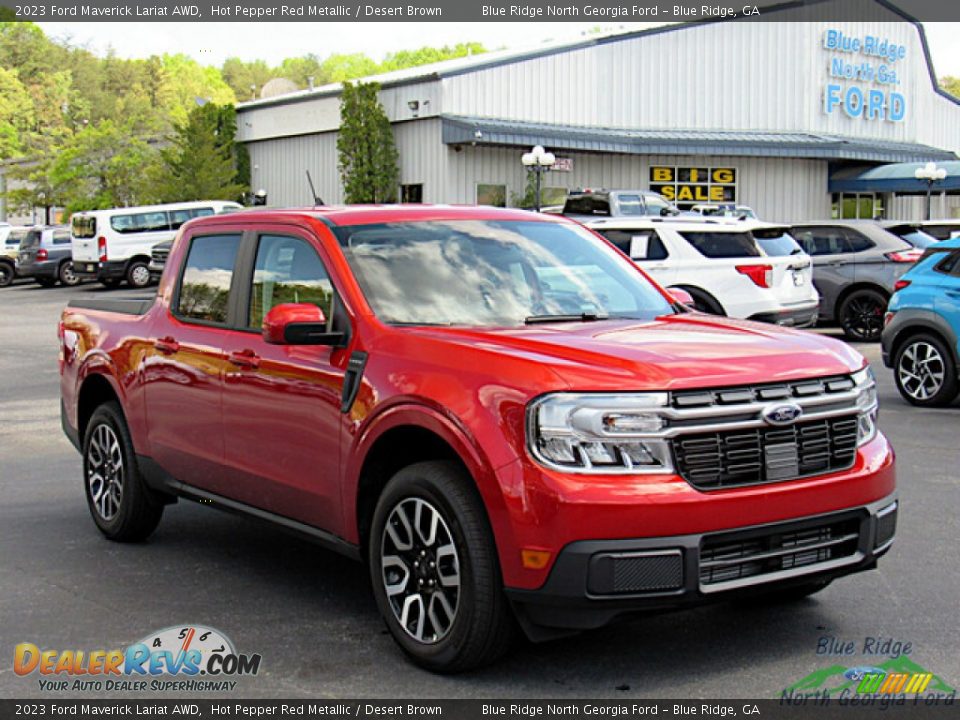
{"type": "Point", "coordinates": [864, 75]}
{"type": "Point", "coordinates": [695, 184]}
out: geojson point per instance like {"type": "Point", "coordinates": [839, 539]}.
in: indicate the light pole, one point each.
{"type": "Point", "coordinates": [538, 161]}
{"type": "Point", "coordinates": [930, 174]}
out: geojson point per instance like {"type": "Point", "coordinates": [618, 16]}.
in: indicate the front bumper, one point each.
{"type": "Point", "coordinates": [95, 270]}
{"type": "Point", "coordinates": [592, 582]}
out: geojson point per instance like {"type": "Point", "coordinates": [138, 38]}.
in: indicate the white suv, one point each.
{"type": "Point", "coordinates": [744, 269]}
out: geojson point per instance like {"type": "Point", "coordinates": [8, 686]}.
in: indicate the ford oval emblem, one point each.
{"type": "Point", "coordinates": [782, 414]}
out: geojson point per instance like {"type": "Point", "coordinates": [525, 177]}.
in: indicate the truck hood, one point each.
{"type": "Point", "coordinates": [672, 352]}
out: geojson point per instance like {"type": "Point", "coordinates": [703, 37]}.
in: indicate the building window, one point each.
{"type": "Point", "coordinates": [493, 195]}
{"type": "Point", "coordinates": [411, 193]}
{"type": "Point", "coordinates": [857, 206]}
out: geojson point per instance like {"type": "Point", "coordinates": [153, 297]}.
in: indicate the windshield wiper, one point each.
{"type": "Point", "coordinates": [581, 317]}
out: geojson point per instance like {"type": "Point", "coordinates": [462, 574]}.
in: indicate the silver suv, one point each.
{"type": "Point", "coordinates": [855, 265]}
{"type": "Point", "coordinates": [45, 256]}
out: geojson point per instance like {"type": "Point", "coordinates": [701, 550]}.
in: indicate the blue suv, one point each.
{"type": "Point", "coordinates": [922, 328]}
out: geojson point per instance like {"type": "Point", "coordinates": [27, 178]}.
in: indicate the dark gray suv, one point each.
{"type": "Point", "coordinates": [855, 264]}
{"type": "Point", "coordinates": [45, 256]}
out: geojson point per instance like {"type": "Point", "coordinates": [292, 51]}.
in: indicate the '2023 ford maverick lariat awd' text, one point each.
{"type": "Point", "coordinates": [497, 411]}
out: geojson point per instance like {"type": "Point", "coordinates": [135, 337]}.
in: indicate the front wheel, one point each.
{"type": "Point", "coordinates": [119, 500]}
{"type": "Point", "coordinates": [7, 274]}
{"type": "Point", "coordinates": [925, 372]}
{"type": "Point", "coordinates": [434, 569]}
{"type": "Point", "coordinates": [67, 275]}
{"type": "Point", "coordinates": [861, 315]}
{"type": "Point", "coordinates": [138, 274]}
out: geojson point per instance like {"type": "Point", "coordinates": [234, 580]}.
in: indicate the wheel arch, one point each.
{"type": "Point", "coordinates": [96, 389]}
{"type": "Point", "coordinates": [854, 287]}
{"type": "Point", "coordinates": [707, 296]}
{"type": "Point", "coordinates": [925, 324]}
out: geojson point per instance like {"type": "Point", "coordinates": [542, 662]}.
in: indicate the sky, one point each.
{"type": "Point", "coordinates": [212, 43]}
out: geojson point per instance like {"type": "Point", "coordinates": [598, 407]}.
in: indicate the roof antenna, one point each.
{"type": "Point", "coordinates": [313, 192]}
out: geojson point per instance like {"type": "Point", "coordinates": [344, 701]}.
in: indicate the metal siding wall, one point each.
{"type": "Point", "coordinates": [913, 207]}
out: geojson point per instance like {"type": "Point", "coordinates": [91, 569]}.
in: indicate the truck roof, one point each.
{"type": "Point", "coordinates": [373, 214]}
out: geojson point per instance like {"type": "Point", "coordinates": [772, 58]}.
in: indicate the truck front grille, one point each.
{"type": "Point", "coordinates": [710, 461]}
{"type": "Point", "coordinates": [159, 256]}
{"type": "Point", "coordinates": [767, 554]}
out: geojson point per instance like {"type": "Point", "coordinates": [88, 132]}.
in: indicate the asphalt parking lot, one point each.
{"type": "Point", "coordinates": [311, 616]}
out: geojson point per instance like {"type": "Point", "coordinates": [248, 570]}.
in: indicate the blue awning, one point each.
{"type": "Point", "coordinates": [459, 130]}
{"type": "Point", "coordinates": [897, 178]}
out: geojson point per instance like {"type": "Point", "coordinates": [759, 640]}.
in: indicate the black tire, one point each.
{"type": "Point", "coordinates": [138, 274]}
{"type": "Point", "coordinates": [111, 282]}
{"type": "Point", "coordinates": [7, 274]}
{"type": "Point", "coordinates": [47, 282]}
{"type": "Point", "coordinates": [482, 626]}
{"type": "Point", "coordinates": [704, 302]}
{"type": "Point", "coordinates": [926, 371]}
{"type": "Point", "coordinates": [124, 511]}
{"type": "Point", "coordinates": [67, 276]}
{"type": "Point", "coordinates": [861, 315]}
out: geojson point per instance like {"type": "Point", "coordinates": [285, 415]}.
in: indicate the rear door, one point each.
{"type": "Point", "coordinates": [947, 302]}
{"type": "Point", "coordinates": [29, 246]}
{"type": "Point", "coordinates": [834, 263]}
{"type": "Point", "coordinates": [59, 244]}
{"type": "Point", "coordinates": [281, 403]}
{"type": "Point", "coordinates": [183, 369]}
{"type": "Point", "coordinates": [84, 239]}
{"type": "Point", "coordinates": [646, 248]}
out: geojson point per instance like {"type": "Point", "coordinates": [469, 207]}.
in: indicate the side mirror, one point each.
{"type": "Point", "coordinates": [681, 296]}
{"type": "Point", "coordinates": [298, 324]}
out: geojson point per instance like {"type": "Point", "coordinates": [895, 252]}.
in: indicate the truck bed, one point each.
{"type": "Point", "coordinates": [126, 305]}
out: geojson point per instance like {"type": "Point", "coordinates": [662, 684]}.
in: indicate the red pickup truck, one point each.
{"type": "Point", "coordinates": [500, 413]}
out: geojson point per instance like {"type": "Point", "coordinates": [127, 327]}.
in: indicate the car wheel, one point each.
{"type": "Point", "coordinates": [119, 500]}
{"type": "Point", "coordinates": [925, 372]}
{"type": "Point", "coordinates": [435, 572]}
{"type": "Point", "coordinates": [138, 274]}
{"type": "Point", "coordinates": [7, 274]}
{"type": "Point", "coordinates": [704, 302]}
{"type": "Point", "coordinates": [46, 282]}
{"type": "Point", "coordinates": [861, 315]}
{"type": "Point", "coordinates": [67, 276]}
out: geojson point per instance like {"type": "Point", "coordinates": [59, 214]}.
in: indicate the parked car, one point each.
{"type": "Point", "coordinates": [942, 229]}
{"type": "Point", "coordinates": [10, 238]}
{"type": "Point", "coordinates": [914, 233]}
{"type": "Point", "coordinates": [921, 337]}
{"type": "Point", "coordinates": [725, 267]}
{"type": "Point", "coordinates": [45, 256]}
{"type": "Point", "coordinates": [158, 258]}
{"type": "Point", "coordinates": [727, 210]}
{"type": "Point", "coordinates": [113, 246]}
{"type": "Point", "coordinates": [495, 409]}
{"type": "Point", "coordinates": [586, 205]}
{"type": "Point", "coordinates": [855, 266]}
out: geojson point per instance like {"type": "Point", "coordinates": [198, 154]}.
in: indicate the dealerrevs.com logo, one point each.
{"type": "Point", "coordinates": [180, 658]}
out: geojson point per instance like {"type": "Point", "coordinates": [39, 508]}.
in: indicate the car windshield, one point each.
{"type": "Point", "coordinates": [630, 205]}
{"type": "Point", "coordinates": [494, 273]}
{"type": "Point", "coordinates": [777, 242]}
{"type": "Point", "coordinates": [916, 237]}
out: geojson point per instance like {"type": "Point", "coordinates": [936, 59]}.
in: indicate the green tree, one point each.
{"type": "Point", "coordinates": [365, 146]}
{"type": "Point", "coordinates": [201, 162]}
{"type": "Point", "coordinates": [16, 114]}
{"type": "Point", "coordinates": [425, 55]}
{"type": "Point", "coordinates": [246, 78]}
{"type": "Point", "coordinates": [339, 67]}
{"type": "Point", "coordinates": [193, 84]}
{"type": "Point", "coordinates": [951, 85]}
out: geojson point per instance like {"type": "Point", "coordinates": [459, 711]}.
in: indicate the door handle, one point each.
{"type": "Point", "coordinates": [167, 345]}
{"type": "Point", "coordinates": [245, 358]}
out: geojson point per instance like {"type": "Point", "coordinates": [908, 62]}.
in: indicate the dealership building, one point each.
{"type": "Point", "coordinates": [800, 120]}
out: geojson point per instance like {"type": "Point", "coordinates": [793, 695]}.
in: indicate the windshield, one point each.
{"type": "Point", "coordinates": [777, 242]}
{"type": "Point", "coordinates": [494, 273]}
{"type": "Point", "coordinates": [917, 238]}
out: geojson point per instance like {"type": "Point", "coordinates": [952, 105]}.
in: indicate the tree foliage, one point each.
{"type": "Point", "coordinates": [365, 146]}
{"type": "Point", "coordinates": [951, 85]}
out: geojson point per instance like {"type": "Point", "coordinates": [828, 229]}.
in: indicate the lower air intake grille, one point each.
{"type": "Point", "coordinates": [711, 461]}
{"type": "Point", "coordinates": [632, 573]}
{"type": "Point", "coordinates": [738, 556]}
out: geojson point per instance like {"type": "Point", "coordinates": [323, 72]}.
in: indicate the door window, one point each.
{"type": "Point", "coordinates": [823, 240]}
{"type": "Point", "coordinates": [287, 270]}
{"type": "Point", "coordinates": [638, 244]}
{"type": "Point", "coordinates": [205, 285]}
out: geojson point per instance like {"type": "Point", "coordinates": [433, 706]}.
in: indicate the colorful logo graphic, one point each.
{"type": "Point", "coordinates": [895, 679]}
{"type": "Point", "coordinates": [180, 650]}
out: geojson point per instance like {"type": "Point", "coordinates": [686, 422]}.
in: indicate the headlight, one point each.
{"type": "Point", "coordinates": [867, 404]}
{"type": "Point", "coordinates": [599, 433]}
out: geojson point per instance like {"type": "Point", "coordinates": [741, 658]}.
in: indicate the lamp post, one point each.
{"type": "Point", "coordinates": [538, 161]}
{"type": "Point", "coordinates": [930, 174]}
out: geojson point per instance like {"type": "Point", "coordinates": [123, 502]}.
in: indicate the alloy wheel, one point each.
{"type": "Point", "coordinates": [140, 276]}
{"type": "Point", "coordinates": [863, 317]}
{"type": "Point", "coordinates": [420, 569]}
{"type": "Point", "coordinates": [105, 472]}
{"type": "Point", "coordinates": [921, 370]}
{"type": "Point", "coordinates": [67, 275]}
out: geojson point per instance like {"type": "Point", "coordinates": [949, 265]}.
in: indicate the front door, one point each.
{"type": "Point", "coordinates": [281, 403]}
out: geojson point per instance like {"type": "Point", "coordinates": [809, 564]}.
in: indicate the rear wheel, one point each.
{"type": "Point", "coordinates": [434, 569]}
{"type": "Point", "coordinates": [138, 274]}
{"type": "Point", "coordinates": [117, 496]}
{"type": "Point", "coordinates": [861, 315]}
{"type": "Point", "coordinates": [925, 372]}
{"type": "Point", "coordinates": [67, 276]}
{"type": "Point", "coordinates": [7, 274]}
